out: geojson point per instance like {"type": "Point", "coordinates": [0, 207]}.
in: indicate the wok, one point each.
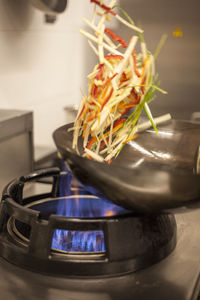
{"type": "Point", "coordinates": [152, 174]}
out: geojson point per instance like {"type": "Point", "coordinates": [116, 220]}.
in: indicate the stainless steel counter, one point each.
{"type": "Point", "coordinates": [16, 144]}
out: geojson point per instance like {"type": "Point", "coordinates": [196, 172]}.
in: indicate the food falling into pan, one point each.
{"type": "Point", "coordinates": [120, 87]}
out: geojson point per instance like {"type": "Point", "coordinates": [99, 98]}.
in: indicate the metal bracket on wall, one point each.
{"type": "Point", "coordinates": [50, 6]}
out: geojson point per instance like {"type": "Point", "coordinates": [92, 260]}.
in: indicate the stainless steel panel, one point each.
{"type": "Point", "coordinates": [16, 144]}
{"type": "Point", "coordinates": [14, 122]}
{"type": "Point", "coordinates": [15, 158]}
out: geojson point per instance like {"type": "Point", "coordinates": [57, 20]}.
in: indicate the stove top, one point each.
{"type": "Point", "coordinates": [175, 277]}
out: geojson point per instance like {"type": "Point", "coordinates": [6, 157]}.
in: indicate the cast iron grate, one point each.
{"type": "Point", "coordinates": [131, 242]}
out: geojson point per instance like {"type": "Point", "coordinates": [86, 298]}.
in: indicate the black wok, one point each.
{"type": "Point", "coordinates": [152, 174]}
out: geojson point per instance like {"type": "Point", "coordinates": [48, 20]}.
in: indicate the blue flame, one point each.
{"type": "Point", "coordinates": [75, 201]}
{"type": "Point", "coordinates": [78, 241]}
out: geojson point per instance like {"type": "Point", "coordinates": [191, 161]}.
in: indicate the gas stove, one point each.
{"type": "Point", "coordinates": [57, 241]}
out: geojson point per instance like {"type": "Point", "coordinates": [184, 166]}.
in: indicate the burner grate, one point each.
{"type": "Point", "coordinates": [131, 242]}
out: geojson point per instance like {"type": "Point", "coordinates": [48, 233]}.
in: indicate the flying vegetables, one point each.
{"type": "Point", "coordinates": [120, 86]}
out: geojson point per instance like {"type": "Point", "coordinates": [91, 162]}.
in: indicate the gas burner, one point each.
{"type": "Point", "coordinates": [71, 232]}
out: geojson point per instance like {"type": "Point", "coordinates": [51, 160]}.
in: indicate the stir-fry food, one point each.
{"type": "Point", "coordinates": [120, 87]}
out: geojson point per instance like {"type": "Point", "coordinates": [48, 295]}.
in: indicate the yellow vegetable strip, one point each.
{"type": "Point", "coordinates": [130, 138]}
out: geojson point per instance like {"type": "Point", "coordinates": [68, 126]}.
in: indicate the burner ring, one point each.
{"type": "Point", "coordinates": [132, 242]}
{"type": "Point", "coordinates": [21, 238]}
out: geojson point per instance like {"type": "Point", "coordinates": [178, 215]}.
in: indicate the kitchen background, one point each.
{"type": "Point", "coordinates": [43, 65]}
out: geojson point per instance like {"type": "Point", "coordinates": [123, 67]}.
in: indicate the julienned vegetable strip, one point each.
{"type": "Point", "coordinates": [107, 9]}
{"type": "Point", "coordinates": [94, 39]}
{"type": "Point", "coordinates": [115, 37]}
{"type": "Point", "coordinates": [120, 87]}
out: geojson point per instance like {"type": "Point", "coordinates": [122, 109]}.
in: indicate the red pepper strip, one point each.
{"type": "Point", "coordinates": [91, 141]}
{"type": "Point", "coordinates": [103, 143]}
{"type": "Point", "coordinates": [123, 78]}
{"type": "Point", "coordinates": [94, 91]}
{"type": "Point", "coordinates": [81, 112]}
{"type": "Point", "coordinates": [143, 82]}
{"type": "Point", "coordinates": [135, 65]}
{"type": "Point", "coordinates": [108, 9]}
{"type": "Point", "coordinates": [108, 80]}
{"type": "Point", "coordinates": [119, 121]}
{"type": "Point", "coordinates": [135, 95]}
{"type": "Point", "coordinates": [107, 99]}
{"type": "Point", "coordinates": [100, 72]}
{"type": "Point", "coordinates": [113, 56]}
{"type": "Point", "coordinates": [115, 37]}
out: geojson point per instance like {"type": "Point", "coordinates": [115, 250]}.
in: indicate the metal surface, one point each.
{"type": "Point", "coordinates": [154, 173]}
{"type": "Point", "coordinates": [15, 158]}
{"type": "Point", "coordinates": [175, 277]}
{"type": "Point", "coordinates": [16, 144]}
{"type": "Point", "coordinates": [14, 122]}
{"type": "Point", "coordinates": [50, 6]}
